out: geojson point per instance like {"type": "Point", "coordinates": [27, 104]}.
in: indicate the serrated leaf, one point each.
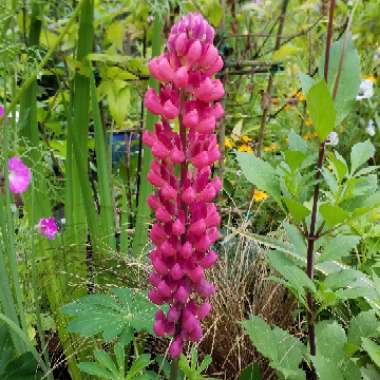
{"type": "Point", "coordinates": [360, 154]}
{"type": "Point", "coordinates": [330, 340]}
{"type": "Point", "coordinates": [363, 325]}
{"type": "Point", "coordinates": [372, 349]}
{"type": "Point", "coordinates": [338, 247]}
{"type": "Point", "coordinates": [332, 214]}
{"type": "Point", "coordinates": [321, 108]}
{"type": "Point", "coordinates": [327, 368]}
{"type": "Point", "coordinates": [284, 351]}
{"type": "Point", "coordinates": [260, 173]}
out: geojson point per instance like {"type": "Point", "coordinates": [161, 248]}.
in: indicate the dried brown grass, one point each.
{"type": "Point", "coordinates": [243, 288]}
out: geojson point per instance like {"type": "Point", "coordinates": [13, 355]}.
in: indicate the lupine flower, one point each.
{"type": "Point", "coordinates": [366, 89]}
{"type": "Point", "coordinates": [332, 139]}
{"type": "Point", "coordinates": [371, 131]}
{"type": "Point", "coordinates": [48, 227]}
{"type": "Point", "coordinates": [19, 175]}
{"type": "Point", "coordinates": [187, 220]}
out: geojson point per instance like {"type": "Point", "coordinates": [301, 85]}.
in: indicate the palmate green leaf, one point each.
{"type": "Point", "coordinates": [23, 367]}
{"type": "Point", "coordinates": [321, 108]}
{"type": "Point", "coordinates": [360, 154]}
{"type": "Point", "coordinates": [138, 365]}
{"type": "Point", "coordinates": [349, 77]}
{"type": "Point", "coordinates": [260, 173]}
{"type": "Point", "coordinates": [372, 349]}
{"type": "Point", "coordinates": [332, 214]}
{"type": "Point", "coordinates": [105, 360]}
{"type": "Point", "coordinates": [284, 351]}
{"type": "Point", "coordinates": [111, 315]}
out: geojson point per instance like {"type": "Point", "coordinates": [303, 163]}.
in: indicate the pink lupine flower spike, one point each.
{"type": "Point", "coordinates": [187, 220]}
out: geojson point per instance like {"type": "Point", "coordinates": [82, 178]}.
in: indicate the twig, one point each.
{"type": "Point", "coordinates": [266, 98]}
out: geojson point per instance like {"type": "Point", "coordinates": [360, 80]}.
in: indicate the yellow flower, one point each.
{"type": "Point", "coordinates": [370, 78]}
{"type": "Point", "coordinates": [275, 101]}
{"type": "Point", "coordinates": [245, 148]}
{"type": "Point", "coordinates": [287, 106]}
{"type": "Point", "coordinates": [301, 97]}
{"type": "Point", "coordinates": [308, 122]}
{"type": "Point", "coordinates": [246, 139]}
{"type": "Point", "coordinates": [271, 148]}
{"type": "Point", "coordinates": [259, 196]}
{"type": "Point", "coordinates": [228, 143]}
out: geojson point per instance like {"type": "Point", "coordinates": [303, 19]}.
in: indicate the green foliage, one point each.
{"type": "Point", "coordinates": [321, 108]}
{"type": "Point", "coordinates": [283, 351]}
{"type": "Point", "coordinates": [118, 314]}
{"type": "Point", "coordinates": [192, 370]}
{"type": "Point", "coordinates": [106, 368]}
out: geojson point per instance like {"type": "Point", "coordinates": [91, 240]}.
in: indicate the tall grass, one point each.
{"type": "Point", "coordinates": [143, 211]}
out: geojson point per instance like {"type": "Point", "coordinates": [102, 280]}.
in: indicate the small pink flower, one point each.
{"type": "Point", "coordinates": [48, 227]}
{"type": "Point", "coordinates": [1, 111]}
{"type": "Point", "coordinates": [19, 175]}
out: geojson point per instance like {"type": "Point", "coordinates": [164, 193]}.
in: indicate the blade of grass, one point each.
{"type": "Point", "coordinates": [143, 211]}
{"type": "Point", "coordinates": [105, 182]}
{"type": "Point", "coordinates": [75, 213]}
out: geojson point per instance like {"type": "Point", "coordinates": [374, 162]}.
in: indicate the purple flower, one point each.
{"type": "Point", "coordinates": [19, 175]}
{"type": "Point", "coordinates": [1, 111]}
{"type": "Point", "coordinates": [48, 227]}
{"type": "Point", "coordinates": [187, 220]}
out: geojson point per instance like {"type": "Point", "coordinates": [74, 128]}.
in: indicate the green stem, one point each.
{"type": "Point", "coordinates": [174, 369]}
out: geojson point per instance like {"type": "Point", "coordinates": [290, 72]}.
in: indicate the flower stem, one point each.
{"type": "Point", "coordinates": [174, 369]}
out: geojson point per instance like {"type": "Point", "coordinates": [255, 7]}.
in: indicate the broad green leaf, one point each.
{"type": "Point", "coordinates": [252, 372]}
{"type": "Point", "coordinates": [294, 159]}
{"type": "Point", "coordinates": [370, 372]}
{"type": "Point", "coordinates": [260, 173]}
{"type": "Point", "coordinates": [298, 211]}
{"type": "Point", "coordinates": [306, 82]}
{"type": "Point", "coordinates": [332, 214]}
{"type": "Point", "coordinates": [349, 77]}
{"type": "Point", "coordinates": [296, 238]}
{"type": "Point", "coordinates": [327, 368]}
{"type": "Point", "coordinates": [111, 315]}
{"type": "Point", "coordinates": [372, 349]}
{"type": "Point", "coordinates": [341, 279]}
{"type": "Point", "coordinates": [360, 154]}
{"type": "Point", "coordinates": [363, 325]}
{"type": "Point", "coordinates": [338, 247]}
{"type": "Point", "coordinates": [23, 367]}
{"type": "Point", "coordinates": [296, 277]}
{"type": "Point", "coordinates": [339, 165]}
{"type": "Point", "coordinates": [297, 143]}
{"type": "Point", "coordinates": [284, 351]}
{"type": "Point", "coordinates": [321, 108]}
{"type": "Point", "coordinates": [330, 340]}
